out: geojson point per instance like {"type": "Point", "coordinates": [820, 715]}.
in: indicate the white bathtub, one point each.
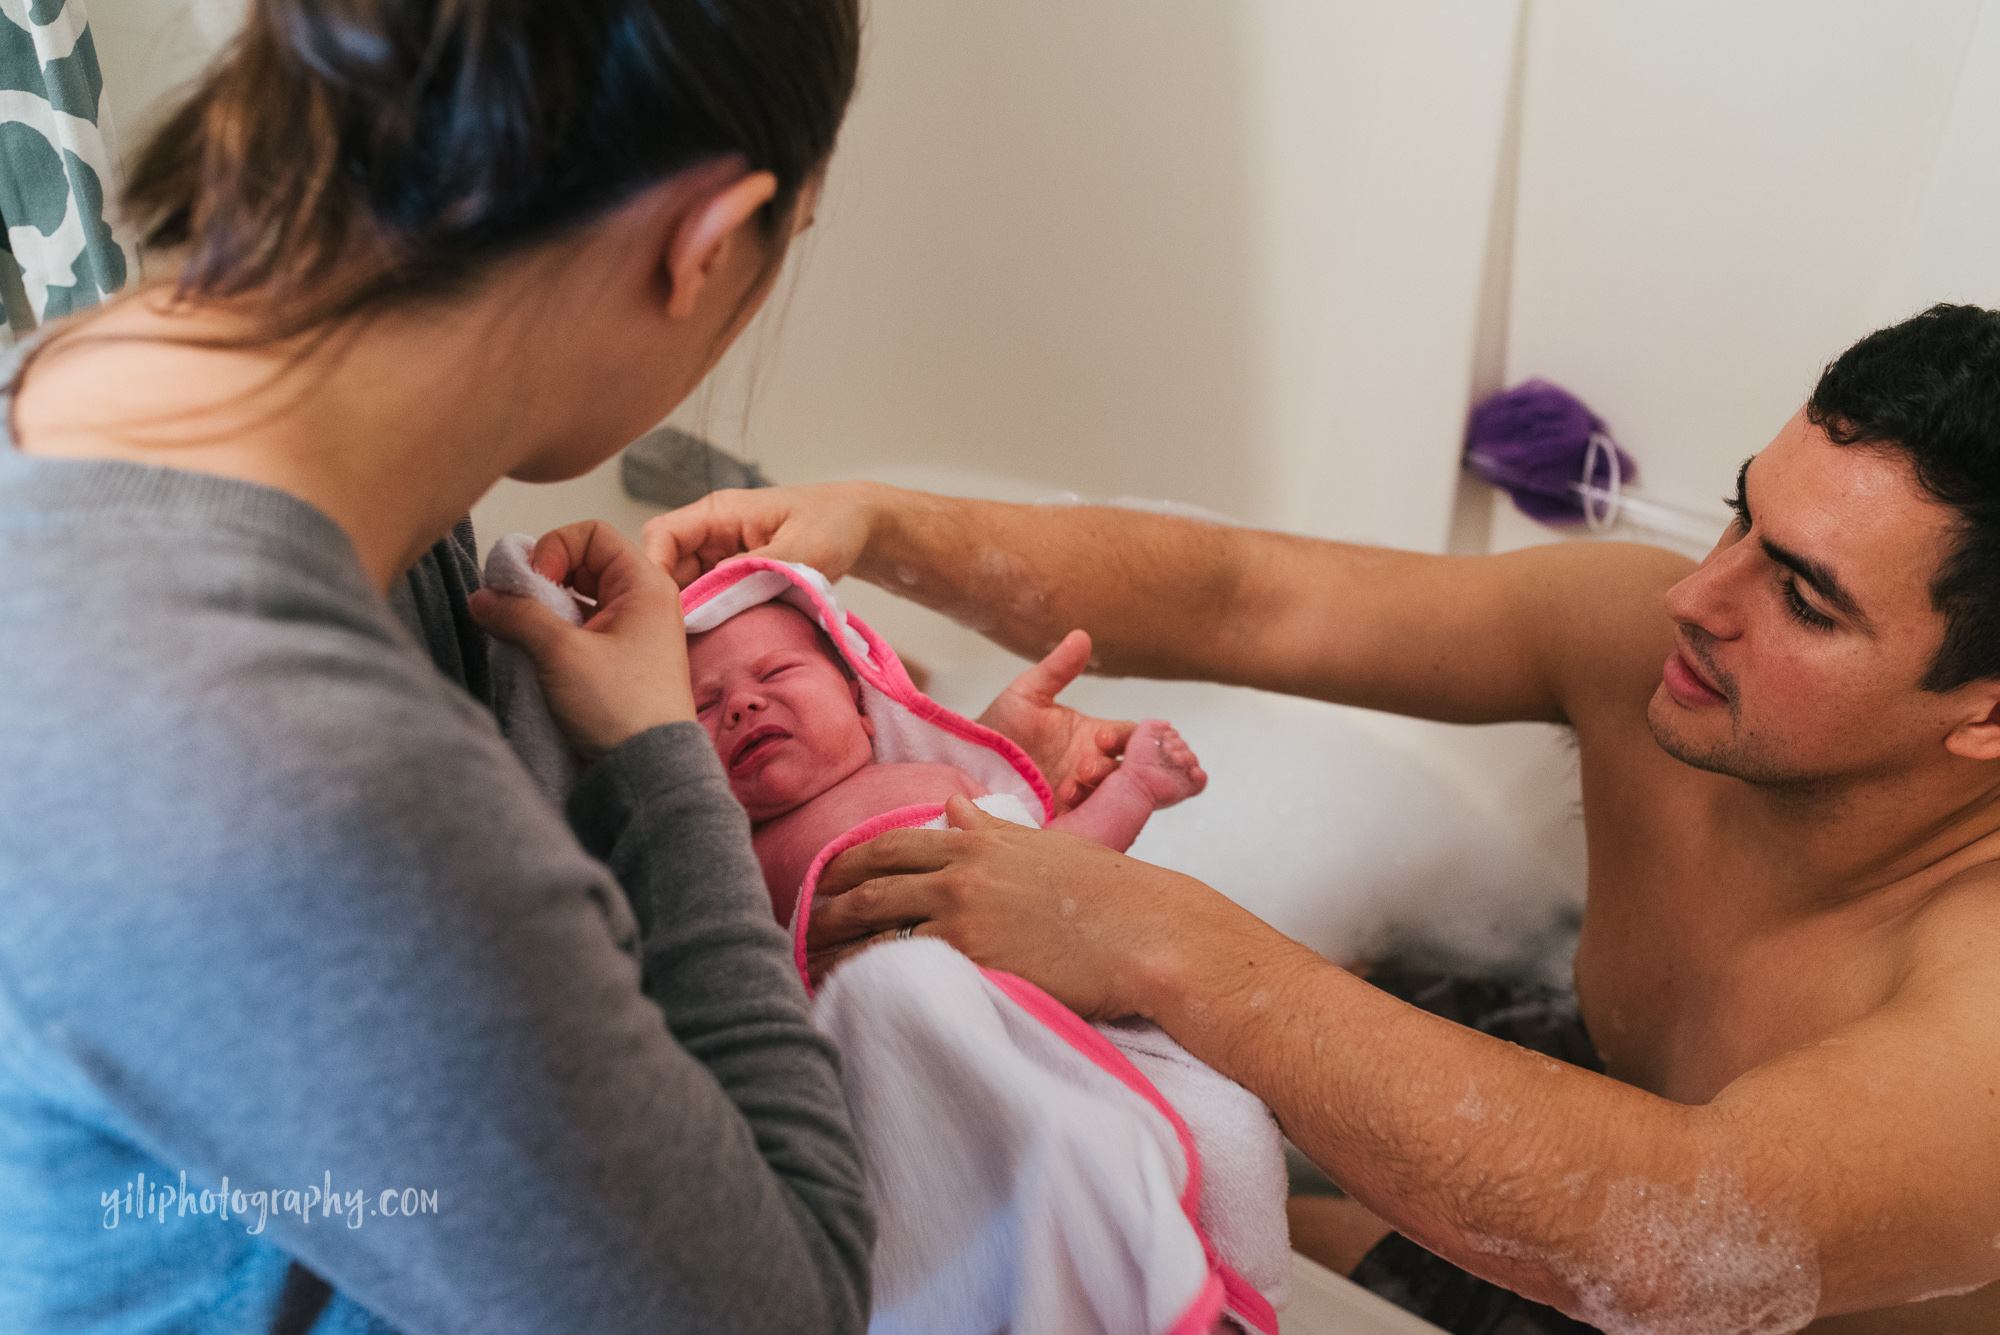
{"type": "Point", "coordinates": [1350, 831]}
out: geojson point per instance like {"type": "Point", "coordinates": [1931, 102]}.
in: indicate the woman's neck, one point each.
{"type": "Point", "coordinates": [385, 431]}
{"type": "Point", "coordinates": [399, 422]}
{"type": "Point", "coordinates": [393, 428]}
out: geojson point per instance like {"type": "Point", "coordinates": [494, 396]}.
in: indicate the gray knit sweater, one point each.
{"type": "Point", "coordinates": [278, 906]}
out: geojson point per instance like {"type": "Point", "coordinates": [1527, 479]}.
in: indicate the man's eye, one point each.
{"type": "Point", "coordinates": [1802, 611]}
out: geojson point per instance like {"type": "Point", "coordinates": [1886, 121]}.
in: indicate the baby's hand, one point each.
{"type": "Point", "coordinates": [1075, 752]}
{"type": "Point", "coordinates": [1162, 764]}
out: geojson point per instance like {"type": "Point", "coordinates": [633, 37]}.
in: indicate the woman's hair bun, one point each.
{"type": "Point", "coordinates": [346, 154]}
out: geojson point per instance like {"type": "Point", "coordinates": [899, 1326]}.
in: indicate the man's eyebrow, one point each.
{"type": "Point", "coordinates": [1824, 582]}
{"type": "Point", "coordinates": [1820, 576]}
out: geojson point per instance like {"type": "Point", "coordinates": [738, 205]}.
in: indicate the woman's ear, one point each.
{"type": "Point", "coordinates": [718, 225]}
{"type": "Point", "coordinates": [1978, 736]}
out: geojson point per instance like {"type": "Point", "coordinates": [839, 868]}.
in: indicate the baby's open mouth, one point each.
{"type": "Point", "coordinates": [755, 743]}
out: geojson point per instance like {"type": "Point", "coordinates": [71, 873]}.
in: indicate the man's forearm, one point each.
{"type": "Point", "coordinates": [1564, 1185]}
{"type": "Point", "coordinates": [1180, 598]}
{"type": "Point", "coordinates": [1152, 590]}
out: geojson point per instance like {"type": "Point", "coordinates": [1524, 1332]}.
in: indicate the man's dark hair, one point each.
{"type": "Point", "coordinates": [1929, 388]}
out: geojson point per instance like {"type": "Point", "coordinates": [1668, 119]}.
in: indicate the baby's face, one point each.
{"type": "Point", "coordinates": [786, 722]}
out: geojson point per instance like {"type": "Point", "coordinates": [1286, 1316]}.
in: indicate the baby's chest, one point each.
{"type": "Point", "coordinates": [875, 789]}
{"type": "Point", "coordinates": [871, 791]}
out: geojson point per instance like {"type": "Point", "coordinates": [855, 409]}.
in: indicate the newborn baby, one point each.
{"type": "Point", "coordinates": [817, 745]}
{"type": "Point", "coordinates": [784, 711]}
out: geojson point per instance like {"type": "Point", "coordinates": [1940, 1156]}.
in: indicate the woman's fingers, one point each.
{"type": "Point", "coordinates": [595, 560]}
{"type": "Point", "coordinates": [1074, 751]}
{"type": "Point", "coordinates": [689, 542]}
{"type": "Point", "coordinates": [517, 619]}
{"type": "Point", "coordinates": [625, 670]}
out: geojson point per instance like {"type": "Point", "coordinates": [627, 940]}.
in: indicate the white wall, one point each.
{"type": "Point", "coordinates": [1378, 137]}
{"type": "Point", "coordinates": [150, 49]}
{"type": "Point", "coordinates": [1716, 198]}
{"type": "Point", "coordinates": [1257, 256]}
{"type": "Point", "coordinates": [1220, 254]}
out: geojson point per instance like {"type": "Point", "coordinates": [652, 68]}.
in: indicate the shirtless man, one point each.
{"type": "Point", "coordinates": [1790, 958]}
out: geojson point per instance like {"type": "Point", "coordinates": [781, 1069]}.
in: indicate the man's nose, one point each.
{"type": "Point", "coordinates": [1711, 598]}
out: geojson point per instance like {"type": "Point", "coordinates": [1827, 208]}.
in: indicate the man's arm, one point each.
{"type": "Point", "coordinates": [1859, 1172]}
{"type": "Point", "coordinates": [1465, 639]}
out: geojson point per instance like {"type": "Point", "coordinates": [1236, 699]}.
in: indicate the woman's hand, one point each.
{"type": "Point", "coordinates": [825, 527]}
{"type": "Point", "coordinates": [1075, 751]}
{"type": "Point", "coordinates": [625, 669]}
{"type": "Point", "coordinates": [1100, 932]}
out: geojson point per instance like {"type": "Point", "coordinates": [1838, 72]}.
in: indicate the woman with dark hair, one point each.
{"type": "Point", "coordinates": [313, 1014]}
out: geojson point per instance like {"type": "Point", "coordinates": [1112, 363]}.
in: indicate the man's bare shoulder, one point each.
{"type": "Point", "coordinates": [1605, 606]}
{"type": "Point", "coordinates": [1922, 1113]}
{"type": "Point", "coordinates": [1953, 935]}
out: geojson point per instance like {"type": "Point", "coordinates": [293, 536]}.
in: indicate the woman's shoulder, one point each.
{"type": "Point", "coordinates": [226, 696]}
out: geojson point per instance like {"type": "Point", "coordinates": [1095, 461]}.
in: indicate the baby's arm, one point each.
{"type": "Point", "coordinates": [1159, 770]}
{"type": "Point", "coordinates": [1075, 751]}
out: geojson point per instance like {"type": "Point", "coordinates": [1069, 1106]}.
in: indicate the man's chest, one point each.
{"type": "Point", "coordinates": [1681, 1009]}
{"type": "Point", "coordinates": [1685, 985]}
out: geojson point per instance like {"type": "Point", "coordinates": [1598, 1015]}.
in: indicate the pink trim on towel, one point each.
{"type": "Point", "coordinates": [1199, 1318]}
{"type": "Point", "coordinates": [1245, 1301]}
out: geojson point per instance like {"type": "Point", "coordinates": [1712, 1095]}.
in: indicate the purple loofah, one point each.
{"type": "Point", "coordinates": [1530, 441]}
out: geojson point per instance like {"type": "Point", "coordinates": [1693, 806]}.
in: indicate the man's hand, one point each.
{"type": "Point", "coordinates": [825, 527]}
{"type": "Point", "coordinates": [1091, 927]}
{"type": "Point", "coordinates": [1076, 752]}
{"type": "Point", "coordinates": [625, 669]}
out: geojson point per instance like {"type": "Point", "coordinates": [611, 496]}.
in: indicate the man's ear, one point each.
{"type": "Point", "coordinates": [721, 219]}
{"type": "Point", "coordinates": [1978, 737]}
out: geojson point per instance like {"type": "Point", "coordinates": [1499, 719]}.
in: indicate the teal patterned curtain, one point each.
{"type": "Point", "coordinates": [58, 166]}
